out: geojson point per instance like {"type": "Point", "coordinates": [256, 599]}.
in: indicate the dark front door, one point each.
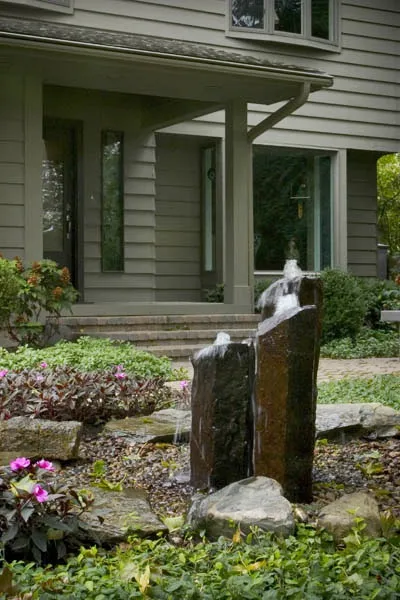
{"type": "Point", "coordinates": [60, 192]}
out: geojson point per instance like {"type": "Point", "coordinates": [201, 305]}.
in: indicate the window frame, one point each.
{"type": "Point", "coordinates": [62, 6]}
{"type": "Point", "coordinates": [269, 34]}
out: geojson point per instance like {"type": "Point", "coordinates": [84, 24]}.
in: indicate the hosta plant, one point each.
{"type": "Point", "coordinates": [40, 289]}
{"type": "Point", "coordinates": [64, 394]}
{"type": "Point", "coordinates": [38, 520]}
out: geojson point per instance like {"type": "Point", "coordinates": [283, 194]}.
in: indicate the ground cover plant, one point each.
{"type": "Point", "coordinates": [369, 343]}
{"type": "Point", "coordinates": [384, 389]}
{"type": "Point", "coordinates": [89, 354]}
{"type": "Point", "coordinates": [260, 567]}
{"type": "Point", "coordinates": [65, 393]}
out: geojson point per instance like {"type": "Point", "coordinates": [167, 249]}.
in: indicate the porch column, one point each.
{"type": "Point", "coordinates": [238, 208]}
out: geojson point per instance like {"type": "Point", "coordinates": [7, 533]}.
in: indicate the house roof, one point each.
{"type": "Point", "coordinates": [87, 37]}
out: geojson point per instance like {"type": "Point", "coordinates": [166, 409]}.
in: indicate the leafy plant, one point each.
{"type": "Point", "coordinates": [381, 388]}
{"type": "Point", "coordinates": [65, 393]}
{"type": "Point", "coordinates": [37, 519]}
{"type": "Point", "coordinates": [98, 474]}
{"type": "Point", "coordinates": [368, 343]}
{"type": "Point", "coordinates": [344, 305]}
{"type": "Point", "coordinates": [90, 354]}
{"type": "Point", "coordinates": [39, 290]}
{"type": "Point", "coordinates": [215, 294]}
{"type": "Point", "coordinates": [379, 295]}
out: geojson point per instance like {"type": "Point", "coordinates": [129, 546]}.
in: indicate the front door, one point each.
{"type": "Point", "coordinates": [59, 193]}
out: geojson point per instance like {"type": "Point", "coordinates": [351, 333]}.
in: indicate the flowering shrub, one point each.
{"type": "Point", "coordinates": [30, 291]}
{"type": "Point", "coordinates": [37, 519]}
{"type": "Point", "coordinates": [64, 393]}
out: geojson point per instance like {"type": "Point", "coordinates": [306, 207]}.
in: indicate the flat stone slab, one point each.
{"type": "Point", "coordinates": [39, 438]}
{"type": "Point", "coordinates": [169, 425]}
{"type": "Point", "coordinates": [251, 502]}
{"type": "Point", "coordinates": [114, 516]}
{"type": "Point", "coordinates": [364, 419]}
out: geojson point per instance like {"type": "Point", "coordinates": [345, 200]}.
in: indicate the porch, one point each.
{"type": "Point", "coordinates": [76, 94]}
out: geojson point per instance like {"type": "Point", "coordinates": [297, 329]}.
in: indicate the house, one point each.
{"type": "Point", "coordinates": [160, 147]}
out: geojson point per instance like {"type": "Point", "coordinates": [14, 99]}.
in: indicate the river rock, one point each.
{"type": "Point", "coordinates": [168, 425]}
{"type": "Point", "coordinates": [37, 438]}
{"type": "Point", "coordinates": [255, 501]}
{"type": "Point", "coordinates": [338, 516]}
{"type": "Point", "coordinates": [343, 422]}
{"type": "Point", "coordinates": [114, 516]}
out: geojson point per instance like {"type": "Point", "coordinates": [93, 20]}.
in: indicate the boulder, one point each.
{"type": "Point", "coordinates": [338, 516]}
{"type": "Point", "coordinates": [255, 501]}
{"type": "Point", "coordinates": [346, 421]}
{"type": "Point", "coordinates": [37, 438]}
{"type": "Point", "coordinates": [169, 425]}
{"type": "Point", "coordinates": [116, 515]}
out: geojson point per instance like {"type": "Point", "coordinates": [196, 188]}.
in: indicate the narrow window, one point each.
{"type": "Point", "coordinates": [208, 208]}
{"type": "Point", "coordinates": [112, 201]}
{"type": "Point", "coordinates": [320, 19]}
{"type": "Point", "coordinates": [288, 16]}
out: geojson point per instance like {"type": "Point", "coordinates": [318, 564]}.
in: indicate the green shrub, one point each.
{"type": "Point", "coordinates": [344, 305]}
{"type": "Point", "coordinates": [66, 394]}
{"type": "Point", "coordinates": [368, 343]}
{"type": "Point", "coordinates": [40, 289]}
{"type": "Point", "coordinates": [90, 354]}
{"type": "Point", "coordinates": [379, 295]}
{"type": "Point", "coordinates": [261, 568]}
{"type": "Point", "coordinates": [215, 294]}
{"type": "Point", "coordinates": [381, 388]}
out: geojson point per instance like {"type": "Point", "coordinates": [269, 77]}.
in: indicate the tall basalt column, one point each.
{"type": "Point", "coordinates": [221, 437]}
{"type": "Point", "coordinates": [284, 427]}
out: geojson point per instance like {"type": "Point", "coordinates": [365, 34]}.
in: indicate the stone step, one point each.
{"type": "Point", "coordinates": [91, 324]}
{"type": "Point", "coordinates": [172, 338]}
{"type": "Point", "coordinates": [176, 352]}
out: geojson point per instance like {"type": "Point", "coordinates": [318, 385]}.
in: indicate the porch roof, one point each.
{"type": "Point", "coordinates": [164, 50]}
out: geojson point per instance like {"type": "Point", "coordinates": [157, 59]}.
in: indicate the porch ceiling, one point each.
{"type": "Point", "coordinates": [85, 57]}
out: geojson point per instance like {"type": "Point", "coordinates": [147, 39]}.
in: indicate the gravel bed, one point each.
{"type": "Point", "coordinates": [163, 470]}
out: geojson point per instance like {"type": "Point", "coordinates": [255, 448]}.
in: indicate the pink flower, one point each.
{"type": "Point", "coordinates": [183, 385]}
{"type": "Point", "coordinates": [40, 494]}
{"type": "Point", "coordinates": [3, 372]}
{"type": "Point", "coordinates": [44, 464]}
{"type": "Point", "coordinates": [43, 365]}
{"type": "Point", "coordinates": [40, 378]}
{"type": "Point", "coordinates": [120, 375]}
{"type": "Point", "coordinates": [19, 463]}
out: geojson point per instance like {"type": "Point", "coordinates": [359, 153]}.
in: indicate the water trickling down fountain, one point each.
{"type": "Point", "coordinates": [254, 404]}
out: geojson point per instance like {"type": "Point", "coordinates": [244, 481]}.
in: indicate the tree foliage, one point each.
{"type": "Point", "coordinates": [389, 201]}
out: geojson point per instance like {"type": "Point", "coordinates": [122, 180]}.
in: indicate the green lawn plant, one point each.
{"type": "Point", "coordinates": [260, 567]}
{"type": "Point", "coordinates": [89, 354]}
{"type": "Point", "coordinates": [384, 389]}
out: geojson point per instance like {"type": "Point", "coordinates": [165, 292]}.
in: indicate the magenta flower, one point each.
{"type": "Point", "coordinates": [120, 375]}
{"type": "Point", "coordinates": [3, 372]}
{"type": "Point", "coordinates": [43, 365]}
{"type": "Point", "coordinates": [44, 464]}
{"type": "Point", "coordinates": [40, 494]}
{"type": "Point", "coordinates": [19, 463]}
{"type": "Point", "coordinates": [183, 385]}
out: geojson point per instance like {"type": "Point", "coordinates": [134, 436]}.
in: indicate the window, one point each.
{"type": "Point", "coordinates": [65, 6]}
{"type": "Point", "coordinates": [208, 207]}
{"type": "Point", "coordinates": [112, 201]}
{"type": "Point", "coordinates": [292, 208]}
{"type": "Point", "coordinates": [304, 22]}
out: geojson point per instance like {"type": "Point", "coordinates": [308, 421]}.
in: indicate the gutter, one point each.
{"type": "Point", "coordinates": [283, 112]}
{"type": "Point", "coordinates": [284, 72]}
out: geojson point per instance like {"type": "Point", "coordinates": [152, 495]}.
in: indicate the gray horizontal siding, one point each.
{"type": "Point", "coordinates": [178, 219]}
{"type": "Point", "coordinates": [361, 205]}
{"type": "Point", "coordinates": [12, 170]}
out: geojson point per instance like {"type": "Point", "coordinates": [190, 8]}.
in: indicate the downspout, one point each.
{"type": "Point", "coordinates": [281, 113]}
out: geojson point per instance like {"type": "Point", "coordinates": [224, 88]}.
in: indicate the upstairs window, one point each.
{"type": "Point", "coordinates": [65, 6]}
{"type": "Point", "coordinates": [302, 22]}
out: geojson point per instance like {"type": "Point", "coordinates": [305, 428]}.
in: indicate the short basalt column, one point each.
{"type": "Point", "coordinates": [222, 431]}
{"type": "Point", "coordinates": [284, 427]}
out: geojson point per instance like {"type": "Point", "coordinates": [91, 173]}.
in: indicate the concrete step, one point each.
{"type": "Point", "coordinates": [175, 352]}
{"type": "Point", "coordinates": [172, 338]}
{"type": "Point", "coordinates": [93, 324]}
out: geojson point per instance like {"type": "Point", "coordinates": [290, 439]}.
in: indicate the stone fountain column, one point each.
{"type": "Point", "coordinates": [221, 437]}
{"type": "Point", "coordinates": [285, 394]}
